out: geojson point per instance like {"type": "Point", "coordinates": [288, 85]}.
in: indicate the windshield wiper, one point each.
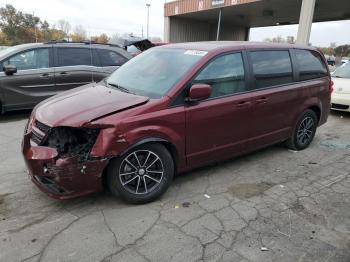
{"type": "Point", "coordinates": [119, 87]}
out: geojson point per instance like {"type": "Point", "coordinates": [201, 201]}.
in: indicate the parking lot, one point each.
{"type": "Point", "coordinates": [272, 205]}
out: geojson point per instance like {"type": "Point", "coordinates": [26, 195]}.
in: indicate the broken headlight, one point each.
{"type": "Point", "coordinates": [29, 123]}
{"type": "Point", "coordinates": [70, 141]}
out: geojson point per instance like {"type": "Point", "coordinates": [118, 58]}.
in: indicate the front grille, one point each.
{"type": "Point", "coordinates": [42, 127]}
{"type": "Point", "coordinates": [338, 106]}
{"type": "Point", "coordinates": [36, 138]}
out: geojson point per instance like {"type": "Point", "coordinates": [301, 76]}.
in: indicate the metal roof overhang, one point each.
{"type": "Point", "coordinates": [272, 12]}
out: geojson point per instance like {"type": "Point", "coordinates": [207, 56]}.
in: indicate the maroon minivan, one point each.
{"type": "Point", "coordinates": [174, 108]}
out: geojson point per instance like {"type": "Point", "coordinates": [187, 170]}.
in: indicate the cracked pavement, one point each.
{"type": "Point", "coordinates": [294, 205]}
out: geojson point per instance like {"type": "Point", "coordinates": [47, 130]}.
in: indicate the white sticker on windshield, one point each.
{"type": "Point", "coordinates": [196, 52]}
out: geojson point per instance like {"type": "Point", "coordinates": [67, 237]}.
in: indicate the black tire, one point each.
{"type": "Point", "coordinates": [137, 180]}
{"type": "Point", "coordinates": [304, 131]}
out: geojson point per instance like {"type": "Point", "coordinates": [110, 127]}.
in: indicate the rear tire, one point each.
{"type": "Point", "coordinates": [142, 174]}
{"type": "Point", "coordinates": [304, 131]}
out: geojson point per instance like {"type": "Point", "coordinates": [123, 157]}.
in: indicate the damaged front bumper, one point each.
{"type": "Point", "coordinates": [61, 177]}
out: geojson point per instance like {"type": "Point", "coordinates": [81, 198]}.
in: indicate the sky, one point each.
{"type": "Point", "coordinates": [98, 16]}
{"type": "Point", "coordinates": [322, 34]}
{"type": "Point", "coordinates": [126, 16]}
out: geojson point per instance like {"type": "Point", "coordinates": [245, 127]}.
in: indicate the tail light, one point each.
{"type": "Point", "coordinates": [331, 85]}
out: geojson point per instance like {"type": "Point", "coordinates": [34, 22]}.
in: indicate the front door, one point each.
{"type": "Point", "coordinates": [33, 82]}
{"type": "Point", "coordinates": [219, 127]}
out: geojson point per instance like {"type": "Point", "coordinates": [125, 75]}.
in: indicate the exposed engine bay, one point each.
{"type": "Point", "coordinates": [70, 141]}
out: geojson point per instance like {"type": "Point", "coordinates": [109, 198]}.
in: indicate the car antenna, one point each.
{"type": "Point", "coordinates": [91, 60]}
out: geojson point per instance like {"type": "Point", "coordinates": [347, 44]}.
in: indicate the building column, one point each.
{"type": "Point", "coordinates": [305, 21]}
{"type": "Point", "coordinates": [247, 34]}
{"type": "Point", "coordinates": [167, 29]}
{"type": "Point", "coordinates": [219, 26]}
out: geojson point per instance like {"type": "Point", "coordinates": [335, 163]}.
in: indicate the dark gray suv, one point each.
{"type": "Point", "coordinates": [30, 73]}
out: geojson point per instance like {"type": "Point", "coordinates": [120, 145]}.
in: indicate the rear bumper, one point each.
{"type": "Point", "coordinates": [61, 178]}
{"type": "Point", "coordinates": [340, 102]}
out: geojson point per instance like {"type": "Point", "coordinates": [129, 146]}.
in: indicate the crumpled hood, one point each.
{"type": "Point", "coordinates": [83, 104]}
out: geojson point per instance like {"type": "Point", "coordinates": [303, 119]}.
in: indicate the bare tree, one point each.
{"type": "Point", "coordinates": [64, 26]}
{"type": "Point", "coordinates": [290, 39]}
{"type": "Point", "coordinates": [79, 34]}
{"type": "Point", "coordinates": [280, 39]}
{"type": "Point", "coordinates": [114, 37]}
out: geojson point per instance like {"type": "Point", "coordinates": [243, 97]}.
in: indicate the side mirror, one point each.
{"type": "Point", "coordinates": [198, 92]}
{"type": "Point", "coordinates": [10, 69]}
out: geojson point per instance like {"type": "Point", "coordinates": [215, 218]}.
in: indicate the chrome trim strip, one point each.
{"type": "Point", "coordinates": [31, 86]}
{"type": "Point", "coordinates": [80, 83]}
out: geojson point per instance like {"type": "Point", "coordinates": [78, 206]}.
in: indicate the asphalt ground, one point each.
{"type": "Point", "coordinates": [271, 205]}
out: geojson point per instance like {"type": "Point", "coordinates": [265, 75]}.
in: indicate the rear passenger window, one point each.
{"type": "Point", "coordinates": [271, 68]}
{"type": "Point", "coordinates": [310, 65]}
{"type": "Point", "coordinates": [74, 56]}
{"type": "Point", "coordinates": [225, 74]}
{"type": "Point", "coordinates": [110, 58]}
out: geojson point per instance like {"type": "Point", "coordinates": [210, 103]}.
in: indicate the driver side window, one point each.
{"type": "Point", "coordinates": [225, 74]}
{"type": "Point", "coordinates": [33, 59]}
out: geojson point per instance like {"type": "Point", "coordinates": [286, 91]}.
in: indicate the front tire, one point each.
{"type": "Point", "coordinates": [141, 175]}
{"type": "Point", "coordinates": [304, 131]}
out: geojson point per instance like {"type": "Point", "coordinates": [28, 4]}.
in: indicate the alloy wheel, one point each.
{"type": "Point", "coordinates": [141, 172]}
{"type": "Point", "coordinates": [305, 131]}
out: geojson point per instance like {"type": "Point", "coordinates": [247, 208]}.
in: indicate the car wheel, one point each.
{"type": "Point", "coordinates": [142, 174]}
{"type": "Point", "coordinates": [304, 131]}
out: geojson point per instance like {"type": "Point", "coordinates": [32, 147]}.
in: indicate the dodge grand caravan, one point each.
{"type": "Point", "coordinates": [174, 108]}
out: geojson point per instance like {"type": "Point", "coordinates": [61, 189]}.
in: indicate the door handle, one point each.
{"type": "Point", "coordinates": [45, 75]}
{"type": "Point", "coordinates": [63, 74]}
{"type": "Point", "coordinates": [262, 100]}
{"type": "Point", "coordinates": [243, 104]}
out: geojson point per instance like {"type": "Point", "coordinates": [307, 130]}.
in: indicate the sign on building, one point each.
{"type": "Point", "coordinates": [217, 3]}
{"type": "Point", "coordinates": [176, 10]}
{"type": "Point", "coordinates": [200, 5]}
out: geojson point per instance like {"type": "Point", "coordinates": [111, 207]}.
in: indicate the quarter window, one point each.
{"type": "Point", "coordinates": [33, 59]}
{"type": "Point", "coordinates": [74, 56]}
{"type": "Point", "coordinates": [225, 74]}
{"type": "Point", "coordinates": [271, 68]}
{"type": "Point", "coordinates": [310, 65]}
{"type": "Point", "coordinates": [110, 58]}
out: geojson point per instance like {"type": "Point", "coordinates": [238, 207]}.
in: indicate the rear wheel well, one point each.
{"type": "Point", "coordinates": [317, 111]}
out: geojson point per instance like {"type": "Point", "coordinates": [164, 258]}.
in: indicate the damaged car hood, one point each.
{"type": "Point", "coordinates": [84, 104]}
{"type": "Point", "coordinates": [141, 43]}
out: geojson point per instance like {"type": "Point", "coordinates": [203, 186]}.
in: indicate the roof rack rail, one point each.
{"type": "Point", "coordinates": [63, 41]}
{"type": "Point", "coordinates": [86, 42]}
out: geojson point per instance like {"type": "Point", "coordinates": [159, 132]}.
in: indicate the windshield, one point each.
{"type": "Point", "coordinates": [154, 72]}
{"type": "Point", "coordinates": [5, 51]}
{"type": "Point", "coordinates": [343, 71]}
